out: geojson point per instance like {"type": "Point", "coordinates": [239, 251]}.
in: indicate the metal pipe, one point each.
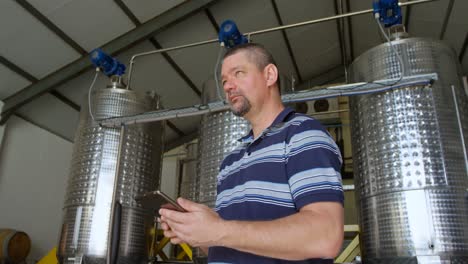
{"type": "Point", "coordinates": [460, 127]}
{"type": "Point", "coordinates": [132, 60]}
{"type": "Point", "coordinates": [114, 194]}
{"type": "Point", "coordinates": [331, 18]}
{"type": "Point", "coordinates": [329, 112]}
{"type": "Point", "coordinates": [308, 95]}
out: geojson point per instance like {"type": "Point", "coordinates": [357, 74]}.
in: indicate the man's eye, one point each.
{"type": "Point", "coordinates": [239, 73]}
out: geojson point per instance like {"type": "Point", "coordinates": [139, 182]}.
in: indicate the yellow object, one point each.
{"type": "Point", "coordinates": [353, 249]}
{"type": "Point", "coordinates": [157, 247]}
{"type": "Point", "coordinates": [50, 258]}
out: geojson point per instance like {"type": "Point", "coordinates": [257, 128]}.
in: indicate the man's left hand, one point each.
{"type": "Point", "coordinates": [200, 226]}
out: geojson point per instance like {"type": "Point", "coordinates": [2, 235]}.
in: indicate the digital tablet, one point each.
{"type": "Point", "coordinates": [156, 200]}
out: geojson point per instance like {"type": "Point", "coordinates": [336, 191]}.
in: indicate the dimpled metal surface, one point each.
{"type": "Point", "coordinates": [408, 156]}
{"type": "Point", "coordinates": [92, 175]}
{"type": "Point", "coordinates": [188, 182]}
{"type": "Point", "coordinates": [219, 135]}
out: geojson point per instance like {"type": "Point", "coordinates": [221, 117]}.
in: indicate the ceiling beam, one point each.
{"type": "Point", "coordinates": [350, 31]}
{"type": "Point", "coordinates": [180, 141]}
{"type": "Point", "coordinates": [51, 26]}
{"type": "Point", "coordinates": [156, 44]}
{"type": "Point", "coordinates": [407, 17]}
{"type": "Point", "coordinates": [286, 40]}
{"type": "Point", "coordinates": [65, 100]}
{"type": "Point", "coordinates": [25, 118]}
{"type": "Point", "coordinates": [448, 12]}
{"type": "Point", "coordinates": [15, 68]}
{"type": "Point", "coordinates": [340, 31]}
{"type": "Point", "coordinates": [212, 19]}
{"type": "Point", "coordinates": [128, 12]}
{"type": "Point", "coordinates": [123, 42]}
{"type": "Point", "coordinates": [463, 49]}
{"type": "Point", "coordinates": [175, 129]}
{"type": "Point", "coordinates": [323, 77]}
{"type": "Point", "coordinates": [176, 67]}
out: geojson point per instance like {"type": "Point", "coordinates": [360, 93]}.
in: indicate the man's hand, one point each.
{"type": "Point", "coordinates": [200, 226]}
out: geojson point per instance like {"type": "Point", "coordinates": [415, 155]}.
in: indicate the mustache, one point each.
{"type": "Point", "coordinates": [232, 94]}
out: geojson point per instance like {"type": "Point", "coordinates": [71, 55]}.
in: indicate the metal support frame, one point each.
{"type": "Point", "coordinates": [39, 126]}
{"type": "Point", "coordinates": [143, 32]}
{"type": "Point", "coordinates": [350, 32]}
{"type": "Point", "coordinates": [463, 49]}
{"type": "Point", "coordinates": [180, 141]}
{"type": "Point", "coordinates": [446, 19]}
{"type": "Point", "coordinates": [212, 19]}
{"type": "Point", "coordinates": [263, 31]}
{"type": "Point", "coordinates": [308, 95]}
{"type": "Point", "coordinates": [460, 127]}
{"type": "Point", "coordinates": [340, 31]}
{"type": "Point", "coordinates": [114, 200]}
{"type": "Point", "coordinates": [353, 249]}
{"type": "Point", "coordinates": [51, 26]}
{"type": "Point", "coordinates": [286, 40]}
{"type": "Point", "coordinates": [407, 17]}
{"type": "Point", "coordinates": [322, 77]}
{"type": "Point", "coordinates": [166, 56]}
{"type": "Point", "coordinates": [136, 35]}
{"type": "Point", "coordinates": [16, 69]}
{"type": "Point", "coordinates": [156, 247]}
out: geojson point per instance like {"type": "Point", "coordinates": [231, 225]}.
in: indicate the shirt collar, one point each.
{"type": "Point", "coordinates": [278, 120]}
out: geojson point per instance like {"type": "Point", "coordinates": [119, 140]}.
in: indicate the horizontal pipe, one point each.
{"type": "Point", "coordinates": [329, 112]}
{"type": "Point", "coordinates": [307, 95]}
{"type": "Point", "coordinates": [248, 35]}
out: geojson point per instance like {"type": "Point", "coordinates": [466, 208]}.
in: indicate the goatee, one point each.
{"type": "Point", "coordinates": [243, 109]}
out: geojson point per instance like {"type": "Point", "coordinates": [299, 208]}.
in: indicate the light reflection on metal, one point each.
{"type": "Point", "coordinates": [90, 191]}
{"type": "Point", "coordinates": [306, 95]}
{"type": "Point", "coordinates": [409, 165]}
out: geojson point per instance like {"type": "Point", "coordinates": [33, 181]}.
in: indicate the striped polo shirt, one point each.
{"type": "Point", "coordinates": [294, 162]}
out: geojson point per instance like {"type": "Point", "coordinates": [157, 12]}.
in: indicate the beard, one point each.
{"type": "Point", "coordinates": [242, 108]}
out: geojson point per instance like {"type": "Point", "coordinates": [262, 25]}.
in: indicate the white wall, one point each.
{"type": "Point", "coordinates": [169, 172]}
{"type": "Point", "coordinates": [33, 173]}
{"type": "Point", "coordinates": [34, 169]}
{"type": "Point", "coordinates": [2, 128]}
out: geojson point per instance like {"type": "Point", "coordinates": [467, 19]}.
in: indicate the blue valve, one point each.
{"type": "Point", "coordinates": [109, 65]}
{"type": "Point", "coordinates": [230, 35]}
{"type": "Point", "coordinates": [388, 12]}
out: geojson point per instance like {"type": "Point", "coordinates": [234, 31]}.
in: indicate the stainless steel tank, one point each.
{"type": "Point", "coordinates": [188, 184]}
{"type": "Point", "coordinates": [87, 209]}
{"type": "Point", "coordinates": [409, 157]}
{"type": "Point", "coordinates": [219, 133]}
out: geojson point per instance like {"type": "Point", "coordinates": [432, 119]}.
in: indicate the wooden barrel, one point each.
{"type": "Point", "coordinates": [14, 245]}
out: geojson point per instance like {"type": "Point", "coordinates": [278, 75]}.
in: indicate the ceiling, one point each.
{"type": "Point", "coordinates": [45, 71]}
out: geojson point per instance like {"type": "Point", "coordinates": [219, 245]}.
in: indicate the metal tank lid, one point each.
{"type": "Point", "coordinates": [398, 37]}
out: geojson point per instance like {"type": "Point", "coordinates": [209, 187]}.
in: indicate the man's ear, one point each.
{"type": "Point", "coordinates": [271, 74]}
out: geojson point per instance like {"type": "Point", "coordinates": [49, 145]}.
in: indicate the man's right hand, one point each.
{"type": "Point", "coordinates": [173, 237]}
{"type": "Point", "coordinates": [169, 233]}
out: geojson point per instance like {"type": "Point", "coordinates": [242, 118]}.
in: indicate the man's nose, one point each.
{"type": "Point", "coordinates": [228, 86]}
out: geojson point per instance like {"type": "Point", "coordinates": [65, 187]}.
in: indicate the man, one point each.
{"type": "Point", "coordinates": [280, 198]}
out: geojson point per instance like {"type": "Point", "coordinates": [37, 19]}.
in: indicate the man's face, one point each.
{"type": "Point", "coordinates": [242, 82]}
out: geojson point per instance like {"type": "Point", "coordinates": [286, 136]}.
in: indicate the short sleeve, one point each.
{"type": "Point", "coordinates": [313, 163]}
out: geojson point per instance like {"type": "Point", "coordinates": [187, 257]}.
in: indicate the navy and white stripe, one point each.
{"type": "Point", "coordinates": [291, 164]}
